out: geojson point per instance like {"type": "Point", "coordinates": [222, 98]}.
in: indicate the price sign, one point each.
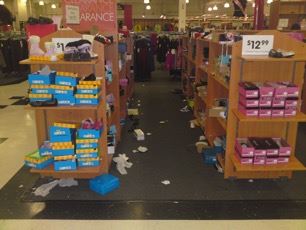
{"type": "Point", "coordinates": [60, 43]}
{"type": "Point", "coordinates": [257, 44]}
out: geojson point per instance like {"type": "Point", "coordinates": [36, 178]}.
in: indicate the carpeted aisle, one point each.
{"type": "Point", "coordinates": [171, 156]}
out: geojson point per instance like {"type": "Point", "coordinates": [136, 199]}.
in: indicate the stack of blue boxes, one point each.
{"type": "Point", "coordinates": [40, 86]}
{"type": "Point", "coordinates": [64, 88]}
{"type": "Point", "coordinates": [63, 149]}
{"type": "Point", "coordinates": [87, 147]}
{"type": "Point", "coordinates": [88, 93]}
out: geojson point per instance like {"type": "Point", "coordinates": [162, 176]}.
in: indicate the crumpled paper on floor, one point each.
{"type": "Point", "coordinates": [122, 163]}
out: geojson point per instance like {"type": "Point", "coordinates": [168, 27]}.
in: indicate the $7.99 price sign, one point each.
{"type": "Point", "coordinates": [257, 44]}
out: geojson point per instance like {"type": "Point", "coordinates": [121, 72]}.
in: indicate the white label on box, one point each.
{"type": "Point", "coordinates": [257, 44]}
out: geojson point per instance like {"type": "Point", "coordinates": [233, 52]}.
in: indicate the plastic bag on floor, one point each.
{"type": "Point", "coordinates": [68, 182]}
{"type": "Point", "coordinates": [45, 189]}
{"type": "Point", "coordinates": [122, 163]}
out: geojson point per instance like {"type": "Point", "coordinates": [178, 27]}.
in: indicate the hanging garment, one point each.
{"type": "Point", "coordinates": [144, 60]}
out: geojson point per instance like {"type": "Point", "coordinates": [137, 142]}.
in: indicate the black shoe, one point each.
{"type": "Point", "coordinates": [49, 103]}
{"type": "Point", "coordinates": [33, 21]}
{"type": "Point", "coordinates": [90, 77]}
{"type": "Point", "coordinates": [45, 20]}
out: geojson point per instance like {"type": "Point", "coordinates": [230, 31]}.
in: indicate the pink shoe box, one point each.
{"type": "Point", "coordinates": [265, 90]}
{"type": "Point", "coordinates": [249, 112]}
{"type": "Point", "coordinates": [248, 90]}
{"type": "Point", "coordinates": [284, 148]}
{"type": "Point", "coordinates": [259, 160]}
{"type": "Point", "coordinates": [263, 112]}
{"type": "Point", "coordinates": [280, 90]}
{"type": "Point", "coordinates": [290, 112]}
{"type": "Point", "coordinates": [291, 102]}
{"type": "Point", "coordinates": [283, 160]}
{"type": "Point", "coordinates": [248, 102]}
{"type": "Point", "coordinates": [291, 88]}
{"type": "Point", "coordinates": [244, 147]}
{"type": "Point", "coordinates": [278, 112]}
{"type": "Point", "coordinates": [244, 160]}
{"type": "Point", "coordinates": [271, 147]}
{"type": "Point", "coordinates": [278, 102]}
{"type": "Point", "coordinates": [271, 160]}
{"type": "Point", "coordinates": [265, 101]}
{"type": "Point", "coordinates": [258, 144]}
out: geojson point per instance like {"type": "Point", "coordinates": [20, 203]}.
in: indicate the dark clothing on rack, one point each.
{"type": "Point", "coordinates": [144, 60]}
{"type": "Point", "coordinates": [13, 51]}
{"type": "Point", "coordinates": [163, 45]}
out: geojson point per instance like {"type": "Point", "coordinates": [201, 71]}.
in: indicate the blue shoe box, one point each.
{"type": "Point", "coordinates": [65, 99]}
{"type": "Point", "coordinates": [104, 184]}
{"type": "Point", "coordinates": [63, 92]}
{"type": "Point", "coordinates": [42, 165]}
{"type": "Point", "coordinates": [39, 79]}
{"type": "Point", "coordinates": [85, 163]}
{"type": "Point", "coordinates": [87, 101]}
{"type": "Point", "coordinates": [61, 138]}
{"type": "Point", "coordinates": [42, 91]}
{"type": "Point", "coordinates": [87, 155]}
{"type": "Point", "coordinates": [59, 131]}
{"type": "Point", "coordinates": [65, 165]}
{"type": "Point", "coordinates": [62, 152]}
{"type": "Point", "coordinates": [88, 133]}
{"type": "Point", "coordinates": [45, 151]}
{"type": "Point", "coordinates": [88, 91]}
{"type": "Point", "coordinates": [66, 80]}
{"type": "Point", "coordinates": [87, 145]}
{"type": "Point", "coordinates": [33, 99]}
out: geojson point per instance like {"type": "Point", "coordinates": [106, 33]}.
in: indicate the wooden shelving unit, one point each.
{"type": "Point", "coordinates": [254, 69]}
{"type": "Point", "coordinates": [46, 116]}
{"type": "Point", "coordinates": [125, 73]}
{"type": "Point", "coordinates": [293, 10]}
{"type": "Point", "coordinates": [261, 69]}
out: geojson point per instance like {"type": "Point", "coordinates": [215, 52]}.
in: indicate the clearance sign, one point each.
{"type": "Point", "coordinates": [82, 15]}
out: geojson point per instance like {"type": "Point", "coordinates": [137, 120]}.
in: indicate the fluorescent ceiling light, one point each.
{"type": "Point", "coordinates": [215, 7]}
{"type": "Point", "coordinates": [269, 1]}
{"type": "Point", "coordinates": [53, 6]}
{"type": "Point", "coordinates": [41, 3]}
{"type": "Point", "coordinates": [146, 1]}
{"type": "Point", "coordinates": [253, 5]}
{"type": "Point", "coordinates": [143, 16]}
{"type": "Point", "coordinates": [148, 7]}
{"type": "Point", "coordinates": [2, 2]}
{"type": "Point", "coordinates": [226, 5]}
{"type": "Point", "coordinates": [210, 9]}
{"type": "Point", "coordinates": [187, 1]}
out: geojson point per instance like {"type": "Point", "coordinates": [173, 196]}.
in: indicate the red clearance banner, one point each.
{"type": "Point", "coordinates": [82, 15]}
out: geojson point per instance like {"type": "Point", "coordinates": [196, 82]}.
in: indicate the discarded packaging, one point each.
{"type": "Point", "coordinates": [45, 189]}
{"type": "Point", "coordinates": [165, 182]}
{"type": "Point", "coordinates": [142, 149]}
{"type": "Point", "coordinates": [69, 182]}
{"type": "Point", "coordinates": [139, 134]}
{"type": "Point", "coordinates": [122, 163]}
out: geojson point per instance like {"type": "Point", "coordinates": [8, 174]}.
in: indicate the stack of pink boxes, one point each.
{"type": "Point", "coordinates": [268, 99]}
{"type": "Point", "coordinates": [262, 151]}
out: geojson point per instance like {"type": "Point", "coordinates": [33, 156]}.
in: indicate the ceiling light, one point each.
{"type": "Point", "coordinates": [2, 2]}
{"type": "Point", "coordinates": [226, 5]}
{"type": "Point", "coordinates": [161, 16]}
{"type": "Point", "coordinates": [146, 1]}
{"type": "Point", "coordinates": [148, 7]}
{"type": "Point", "coordinates": [210, 9]}
{"type": "Point", "coordinates": [187, 1]}
{"type": "Point", "coordinates": [53, 6]}
{"type": "Point", "coordinates": [41, 3]}
{"type": "Point", "coordinates": [249, 0]}
{"type": "Point", "coordinates": [253, 5]}
{"type": "Point", "coordinates": [143, 16]}
{"type": "Point", "coordinates": [269, 1]}
{"type": "Point", "coordinates": [215, 7]}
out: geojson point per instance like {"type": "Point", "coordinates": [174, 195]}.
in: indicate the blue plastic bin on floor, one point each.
{"type": "Point", "coordinates": [104, 184]}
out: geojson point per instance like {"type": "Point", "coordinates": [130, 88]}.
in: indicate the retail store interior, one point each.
{"type": "Point", "coordinates": [152, 114]}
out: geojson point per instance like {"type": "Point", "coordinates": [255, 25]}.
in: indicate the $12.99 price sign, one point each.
{"type": "Point", "coordinates": [257, 44]}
